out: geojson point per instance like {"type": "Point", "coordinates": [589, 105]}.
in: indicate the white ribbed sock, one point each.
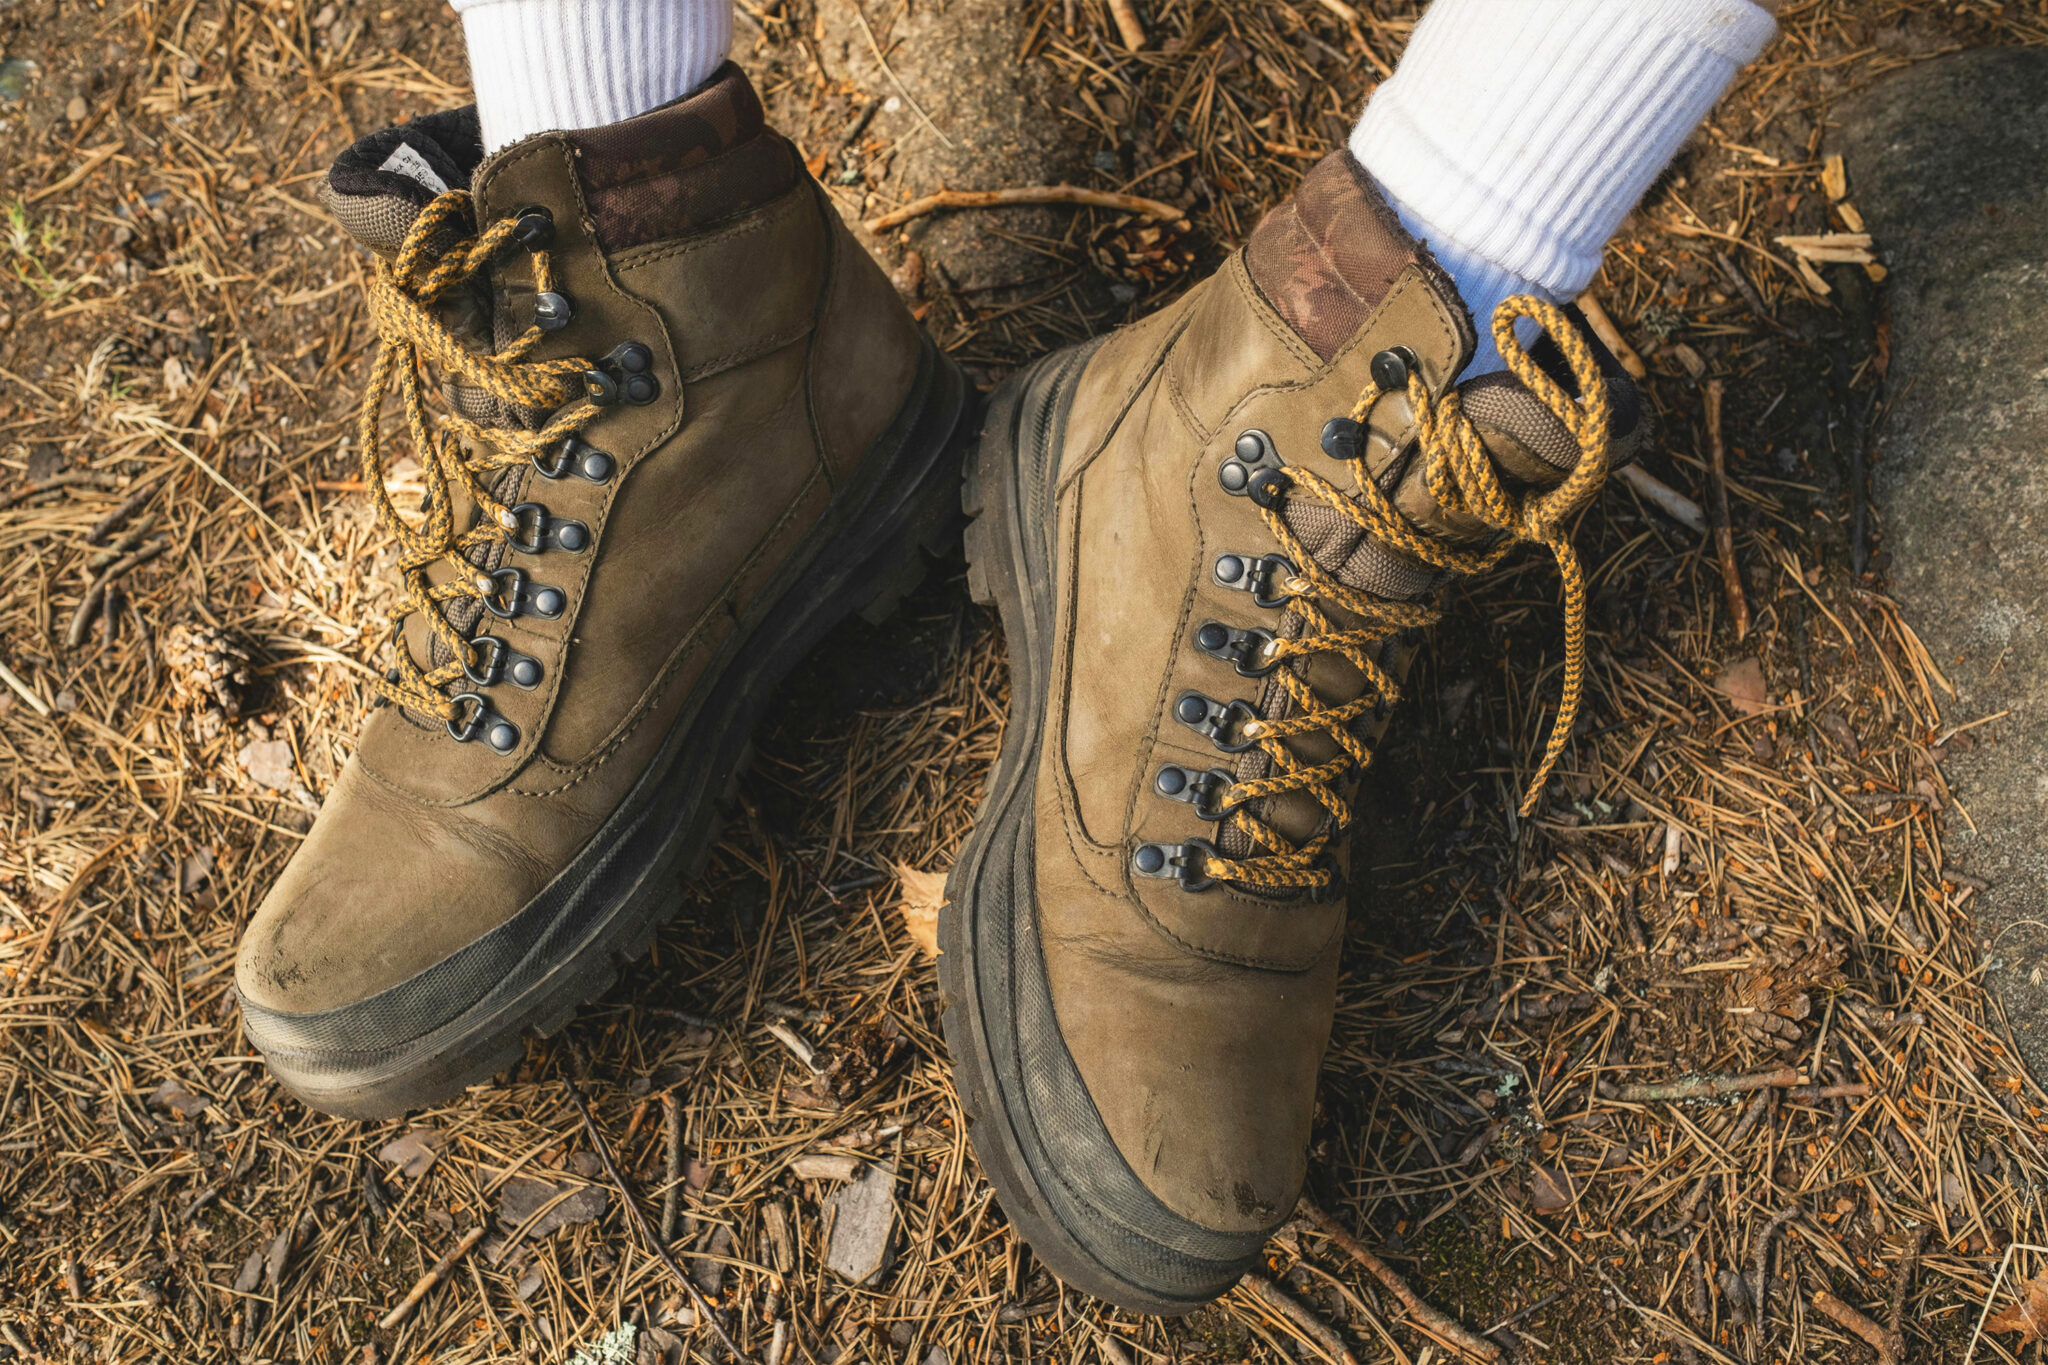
{"type": "Point", "coordinates": [544, 64]}
{"type": "Point", "coordinates": [1515, 135]}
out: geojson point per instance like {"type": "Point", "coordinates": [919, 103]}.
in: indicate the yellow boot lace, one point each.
{"type": "Point", "coordinates": [1461, 477]}
{"type": "Point", "coordinates": [403, 294]}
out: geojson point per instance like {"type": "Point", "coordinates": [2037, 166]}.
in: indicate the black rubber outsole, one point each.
{"type": "Point", "coordinates": [1006, 570]}
{"type": "Point", "coordinates": [906, 507]}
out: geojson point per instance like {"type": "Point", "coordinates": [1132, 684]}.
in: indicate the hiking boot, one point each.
{"type": "Point", "coordinates": [1211, 537]}
{"type": "Point", "coordinates": [691, 427]}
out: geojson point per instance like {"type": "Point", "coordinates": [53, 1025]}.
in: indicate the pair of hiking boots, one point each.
{"type": "Point", "coordinates": [691, 427]}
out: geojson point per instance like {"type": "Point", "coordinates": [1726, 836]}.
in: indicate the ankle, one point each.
{"type": "Point", "coordinates": [1516, 138]}
{"type": "Point", "coordinates": [541, 65]}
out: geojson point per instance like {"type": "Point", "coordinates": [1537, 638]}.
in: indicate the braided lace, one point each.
{"type": "Point", "coordinates": [403, 294]}
{"type": "Point", "coordinates": [1461, 477]}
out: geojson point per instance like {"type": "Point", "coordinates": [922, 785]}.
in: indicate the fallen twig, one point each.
{"type": "Point", "coordinates": [89, 605]}
{"type": "Point", "coordinates": [1724, 533]}
{"type": "Point", "coordinates": [1127, 24]}
{"type": "Point", "coordinates": [21, 689]}
{"type": "Point", "coordinates": [1890, 1346]}
{"type": "Point", "coordinates": [430, 1279]}
{"type": "Point", "coordinates": [1610, 335]}
{"type": "Point", "coordinates": [1030, 194]}
{"type": "Point", "coordinates": [611, 1167]}
{"type": "Point", "coordinates": [1809, 1093]}
{"type": "Point", "coordinates": [1902, 1285]}
{"type": "Point", "coordinates": [671, 1200]}
{"type": "Point", "coordinates": [1315, 1329]}
{"type": "Point", "coordinates": [1760, 1255]}
{"type": "Point", "coordinates": [1667, 499]}
{"type": "Point", "coordinates": [88, 478]}
{"type": "Point", "coordinates": [1691, 1087]}
{"type": "Point", "coordinates": [144, 490]}
{"type": "Point", "coordinates": [1436, 1324]}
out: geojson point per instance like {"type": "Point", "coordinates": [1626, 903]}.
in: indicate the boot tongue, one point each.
{"type": "Point", "coordinates": [1530, 449]}
{"type": "Point", "coordinates": [378, 186]}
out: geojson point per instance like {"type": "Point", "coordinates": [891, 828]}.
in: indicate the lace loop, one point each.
{"type": "Point", "coordinates": [1461, 476]}
{"type": "Point", "coordinates": [404, 292]}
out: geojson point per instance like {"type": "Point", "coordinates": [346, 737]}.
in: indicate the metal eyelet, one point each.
{"type": "Point", "coordinates": [502, 663]}
{"type": "Point", "coordinates": [506, 593]}
{"type": "Point", "coordinates": [534, 228]}
{"type": "Point", "coordinates": [552, 311]}
{"type": "Point", "coordinates": [575, 456]}
{"type": "Point", "coordinates": [1343, 439]}
{"type": "Point", "coordinates": [629, 357]}
{"type": "Point", "coordinates": [1253, 451]}
{"type": "Point", "coordinates": [1390, 369]}
{"type": "Point", "coordinates": [1267, 487]}
{"type": "Point", "coordinates": [1254, 574]}
{"type": "Point", "coordinates": [627, 375]}
{"type": "Point", "coordinates": [478, 720]}
{"type": "Point", "coordinates": [1209, 718]}
{"type": "Point", "coordinates": [1237, 646]}
{"type": "Point", "coordinates": [1175, 862]}
{"type": "Point", "coordinates": [546, 533]}
{"type": "Point", "coordinates": [1194, 786]}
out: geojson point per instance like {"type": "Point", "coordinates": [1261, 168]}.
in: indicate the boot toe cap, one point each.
{"type": "Point", "coordinates": [389, 921]}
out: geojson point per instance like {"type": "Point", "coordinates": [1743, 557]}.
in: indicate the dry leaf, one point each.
{"type": "Point", "coordinates": [524, 1196]}
{"type": "Point", "coordinates": [1549, 1191]}
{"type": "Point", "coordinates": [2028, 1317]}
{"type": "Point", "coordinates": [414, 1153]}
{"type": "Point", "coordinates": [1742, 682]}
{"type": "Point", "coordinates": [923, 894]}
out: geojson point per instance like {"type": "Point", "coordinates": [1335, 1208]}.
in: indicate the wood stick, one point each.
{"type": "Point", "coordinates": [81, 620]}
{"type": "Point", "coordinates": [1664, 498]}
{"type": "Point", "coordinates": [640, 1224]}
{"type": "Point", "coordinates": [1436, 1324]}
{"type": "Point", "coordinates": [1890, 1346]}
{"type": "Point", "coordinates": [1126, 15]}
{"type": "Point", "coordinates": [77, 478]}
{"type": "Point", "coordinates": [430, 1279]}
{"type": "Point", "coordinates": [1724, 533]}
{"type": "Point", "coordinates": [1314, 1328]}
{"type": "Point", "coordinates": [1030, 194]}
{"type": "Point", "coordinates": [672, 1126]}
{"type": "Point", "coordinates": [24, 691]}
{"type": "Point", "coordinates": [1759, 1262]}
{"type": "Point", "coordinates": [1693, 1086]}
{"type": "Point", "coordinates": [1610, 335]}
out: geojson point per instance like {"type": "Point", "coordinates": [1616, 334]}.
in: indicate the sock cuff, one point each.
{"type": "Point", "coordinates": [541, 65]}
{"type": "Point", "coordinates": [1521, 132]}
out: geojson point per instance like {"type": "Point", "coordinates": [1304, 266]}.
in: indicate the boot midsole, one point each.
{"type": "Point", "coordinates": [1060, 1176]}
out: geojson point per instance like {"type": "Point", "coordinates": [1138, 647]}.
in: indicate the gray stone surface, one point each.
{"type": "Point", "coordinates": [1948, 161]}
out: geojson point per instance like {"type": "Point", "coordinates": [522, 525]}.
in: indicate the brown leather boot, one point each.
{"type": "Point", "coordinates": [1207, 535]}
{"type": "Point", "coordinates": [691, 428]}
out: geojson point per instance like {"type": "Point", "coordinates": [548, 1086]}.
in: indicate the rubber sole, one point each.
{"type": "Point", "coordinates": [600, 913]}
{"type": "Point", "coordinates": [1062, 1182]}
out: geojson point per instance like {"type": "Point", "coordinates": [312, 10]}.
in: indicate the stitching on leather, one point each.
{"type": "Point", "coordinates": [1064, 478]}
